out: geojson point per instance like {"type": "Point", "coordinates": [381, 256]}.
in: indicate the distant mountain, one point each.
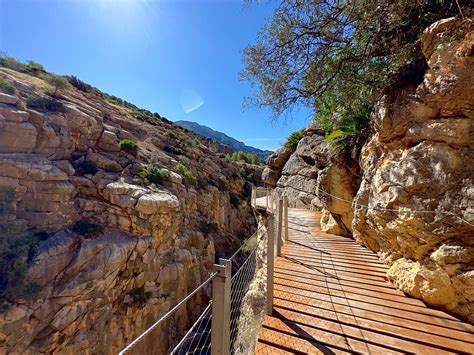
{"type": "Point", "coordinates": [223, 138]}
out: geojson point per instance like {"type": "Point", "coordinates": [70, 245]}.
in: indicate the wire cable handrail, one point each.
{"type": "Point", "coordinates": [187, 335]}
{"type": "Point", "coordinates": [382, 209]}
{"type": "Point", "coordinates": [399, 210]}
{"type": "Point", "coordinates": [164, 317]}
{"type": "Point", "coordinates": [197, 338]}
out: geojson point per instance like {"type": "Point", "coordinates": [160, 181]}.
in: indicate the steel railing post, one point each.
{"type": "Point", "coordinates": [220, 328]}
{"type": "Point", "coordinates": [280, 226]}
{"type": "Point", "coordinates": [270, 261]}
{"type": "Point", "coordinates": [285, 217]}
{"type": "Point", "coordinates": [254, 197]}
{"type": "Point", "coordinates": [266, 200]}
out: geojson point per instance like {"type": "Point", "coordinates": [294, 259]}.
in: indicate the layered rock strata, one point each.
{"type": "Point", "coordinates": [99, 291]}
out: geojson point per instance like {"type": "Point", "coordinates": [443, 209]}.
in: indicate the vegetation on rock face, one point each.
{"type": "Point", "coordinates": [129, 146]}
{"type": "Point", "coordinates": [79, 84]}
{"type": "Point", "coordinates": [87, 229]}
{"type": "Point", "coordinates": [294, 139]}
{"type": "Point", "coordinates": [6, 87]}
{"type": "Point", "coordinates": [336, 56]}
{"type": "Point", "coordinates": [188, 176]}
{"type": "Point", "coordinates": [59, 83]}
{"type": "Point", "coordinates": [17, 249]}
{"type": "Point", "coordinates": [153, 175]}
{"type": "Point", "coordinates": [245, 158]}
{"type": "Point", "coordinates": [44, 104]}
{"type": "Point", "coordinates": [16, 255]}
{"type": "Point", "coordinates": [29, 67]}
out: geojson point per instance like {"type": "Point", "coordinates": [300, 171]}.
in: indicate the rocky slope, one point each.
{"type": "Point", "coordinates": [151, 244]}
{"type": "Point", "coordinates": [420, 157]}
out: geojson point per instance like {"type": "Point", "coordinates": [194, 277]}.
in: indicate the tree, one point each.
{"type": "Point", "coordinates": [336, 56]}
{"type": "Point", "coordinates": [58, 82]}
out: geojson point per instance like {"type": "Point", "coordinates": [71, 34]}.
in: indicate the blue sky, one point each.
{"type": "Point", "coordinates": [178, 58]}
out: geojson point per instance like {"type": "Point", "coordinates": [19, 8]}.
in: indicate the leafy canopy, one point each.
{"type": "Point", "coordinates": [336, 56]}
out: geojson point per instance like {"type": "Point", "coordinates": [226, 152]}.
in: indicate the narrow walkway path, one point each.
{"type": "Point", "coordinates": [331, 296]}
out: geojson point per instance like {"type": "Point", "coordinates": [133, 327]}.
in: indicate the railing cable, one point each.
{"type": "Point", "coordinates": [169, 313]}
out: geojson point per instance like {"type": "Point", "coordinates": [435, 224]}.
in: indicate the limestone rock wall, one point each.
{"type": "Point", "coordinates": [421, 158]}
{"type": "Point", "coordinates": [99, 292]}
{"type": "Point", "coordinates": [313, 179]}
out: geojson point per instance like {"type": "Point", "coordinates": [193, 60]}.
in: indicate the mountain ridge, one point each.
{"type": "Point", "coordinates": [223, 138]}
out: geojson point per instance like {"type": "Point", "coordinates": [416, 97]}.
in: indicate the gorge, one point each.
{"type": "Point", "coordinates": [121, 240]}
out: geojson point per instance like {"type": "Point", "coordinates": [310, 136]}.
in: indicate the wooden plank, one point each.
{"type": "Point", "coordinates": [331, 295]}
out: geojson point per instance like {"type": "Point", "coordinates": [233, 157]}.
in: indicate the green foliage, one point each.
{"type": "Point", "coordinates": [349, 129]}
{"type": "Point", "coordinates": [294, 139]}
{"type": "Point", "coordinates": [334, 57]}
{"type": "Point", "coordinates": [6, 87]}
{"type": "Point", "coordinates": [34, 67]}
{"type": "Point", "coordinates": [250, 244]}
{"type": "Point", "coordinates": [11, 63]}
{"type": "Point", "coordinates": [17, 250]}
{"type": "Point", "coordinates": [88, 229]}
{"type": "Point", "coordinates": [153, 175]}
{"type": "Point", "coordinates": [30, 67]}
{"type": "Point", "coordinates": [85, 167]}
{"type": "Point", "coordinates": [245, 158]}
{"type": "Point", "coordinates": [188, 176]}
{"type": "Point", "coordinates": [173, 150]}
{"type": "Point", "coordinates": [44, 104]}
{"type": "Point", "coordinates": [59, 83]}
{"type": "Point", "coordinates": [129, 146]}
{"type": "Point", "coordinates": [79, 84]}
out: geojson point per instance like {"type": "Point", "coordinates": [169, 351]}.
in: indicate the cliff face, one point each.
{"type": "Point", "coordinates": [155, 244]}
{"type": "Point", "coordinates": [419, 158]}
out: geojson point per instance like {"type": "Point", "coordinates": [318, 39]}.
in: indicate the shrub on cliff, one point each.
{"type": "Point", "coordinates": [293, 140]}
{"type": "Point", "coordinates": [30, 67]}
{"type": "Point", "coordinates": [79, 84]}
{"type": "Point", "coordinates": [245, 158]}
{"type": "Point", "coordinates": [188, 176]}
{"type": "Point", "coordinates": [59, 83]}
{"type": "Point", "coordinates": [44, 104]}
{"type": "Point", "coordinates": [153, 175]}
{"type": "Point", "coordinates": [129, 146]}
{"type": "Point", "coordinates": [17, 250]}
{"type": "Point", "coordinates": [334, 57]}
{"type": "Point", "coordinates": [88, 229]}
{"type": "Point", "coordinates": [6, 87]}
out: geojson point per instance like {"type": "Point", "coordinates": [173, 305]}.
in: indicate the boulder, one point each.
{"type": "Point", "coordinates": [329, 224]}
{"type": "Point", "coordinates": [278, 159]}
{"type": "Point", "coordinates": [8, 99]}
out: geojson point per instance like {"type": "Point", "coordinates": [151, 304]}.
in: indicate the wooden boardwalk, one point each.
{"type": "Point", "coordinates": [331, 296]}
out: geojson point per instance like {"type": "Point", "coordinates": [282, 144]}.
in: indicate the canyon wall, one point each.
{"type": "Point", "coordinates": [63, 172]}
{"type": "Point", "coordinates": [409, 196]}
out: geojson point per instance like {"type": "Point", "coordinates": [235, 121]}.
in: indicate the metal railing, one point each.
{"type": "Point", "coordinates": [217, 329]}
